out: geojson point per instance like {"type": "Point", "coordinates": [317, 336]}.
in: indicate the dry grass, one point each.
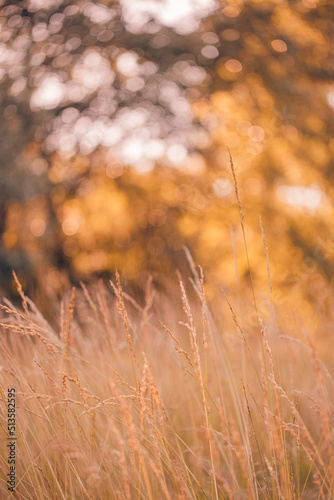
{"type": "Point", "coordinates": [155, 399]}
{"type": "Point", "coordinates": [123, 401]}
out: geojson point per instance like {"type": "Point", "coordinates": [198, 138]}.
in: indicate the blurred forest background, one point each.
{"type": "Point", "coordinates": [116, 118]}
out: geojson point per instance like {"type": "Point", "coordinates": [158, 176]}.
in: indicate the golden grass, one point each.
{"type": "Point", "coordinates": [155, 399]}
{"type": "Point", "coordinates": [129, 400]}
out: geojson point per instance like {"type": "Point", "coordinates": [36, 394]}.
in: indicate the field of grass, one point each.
{"type": "Point", "coordinates": [159, 398]}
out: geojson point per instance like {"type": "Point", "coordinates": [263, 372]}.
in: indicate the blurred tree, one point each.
{"type": "Point", "coordinates": [116, 117]}
{"type": "Point", "coordinates": [75, 78]}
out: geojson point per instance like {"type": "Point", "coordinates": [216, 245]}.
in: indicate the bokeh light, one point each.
{"type": "Point", "coordinates": [117, 119]}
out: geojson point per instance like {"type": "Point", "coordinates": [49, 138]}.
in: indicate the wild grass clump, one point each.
{"type": "Point", "coordinates": [140, 399]}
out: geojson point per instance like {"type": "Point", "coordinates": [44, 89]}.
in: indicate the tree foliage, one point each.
{"type": "Point", "coordinates": [115, 130]}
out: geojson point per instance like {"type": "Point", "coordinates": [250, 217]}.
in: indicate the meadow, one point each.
{"type": "Point", "coordinates": [203, 368]}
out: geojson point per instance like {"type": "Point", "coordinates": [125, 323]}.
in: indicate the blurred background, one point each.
{"type": "Point", "coordinates": [116, 119]}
